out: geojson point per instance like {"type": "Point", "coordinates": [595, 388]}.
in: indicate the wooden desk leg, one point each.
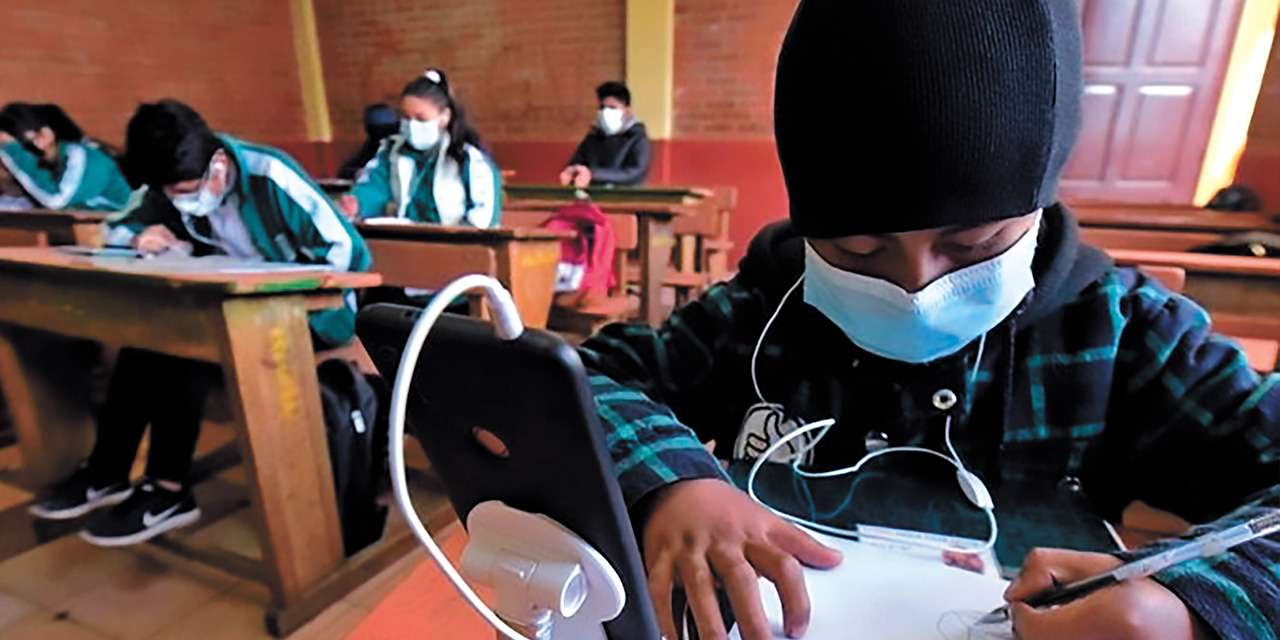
{"type": "Point", "coordinates": [46, 389]}
{"type": "Point", "coordinates": [270, 372]}
{"type": "Point", "coordinates": [87, 234]}
{"type": "Point", "coordinates": [528, 271]}
{"type": "Point", "coordinates": [655, 253]}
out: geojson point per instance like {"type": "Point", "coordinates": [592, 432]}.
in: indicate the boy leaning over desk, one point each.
{"type": "Point", "coordinates": [200, 194]}
{"type": "Point", "coordinates": [927, 270]}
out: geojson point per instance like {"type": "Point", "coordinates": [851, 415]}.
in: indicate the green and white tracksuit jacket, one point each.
{"type": "Point", "coordinates": [287, 217]}
{"type": "Point", "coordinates": [83, 177]}
{"type": "Point", "coordinates": [429, 186]}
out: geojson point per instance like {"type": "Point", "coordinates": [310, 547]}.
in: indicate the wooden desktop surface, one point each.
{"type": "Point", "coordinates": [600, 195]}
{"type": "Point", "coordinates": [430, 256]}
{"type": "Point", "coordinates": [47, 227]}
{"type": "Point", "coordinates": [1169, 217]}
{"type": "Point", "coordinates": [254, 325]}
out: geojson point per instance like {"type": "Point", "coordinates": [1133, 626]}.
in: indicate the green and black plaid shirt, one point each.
{"type": "Point", "coordinates": [1101, 376]}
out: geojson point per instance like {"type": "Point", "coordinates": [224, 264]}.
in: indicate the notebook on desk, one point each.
{"type": "Point", "coordinates": [877, 594]}
{"type": "Point", "coordinates": [924, 497]}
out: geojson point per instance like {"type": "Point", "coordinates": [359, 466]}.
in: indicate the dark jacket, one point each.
{"type": "Point", "coordinates": [621, 159]}
{"type": "Point", "coordinates": [1101, 374]}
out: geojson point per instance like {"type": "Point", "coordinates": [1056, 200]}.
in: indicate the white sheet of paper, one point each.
{"type": "Point", "coordinates": [880, 595]}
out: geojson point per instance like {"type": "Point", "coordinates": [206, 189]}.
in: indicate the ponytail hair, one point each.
{"type": "Point", "coordinates": [433, 86]}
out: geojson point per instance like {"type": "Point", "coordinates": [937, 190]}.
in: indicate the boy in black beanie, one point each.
{"type": "Point", "coordinates": [951, 308]}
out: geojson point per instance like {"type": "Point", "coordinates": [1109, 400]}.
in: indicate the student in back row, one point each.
{"type": "Point", "coordinates": [201, 194]}
{"type": "Point", "coordinates": [616, 151]}
{"type": "Point", "coordinates": [49, 157]}
{"type": "Point", "coordinates": [434, 170]}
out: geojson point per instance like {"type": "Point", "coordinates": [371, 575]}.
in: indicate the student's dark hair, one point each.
{"type": "Point", "coordinates": [17, 118]}
{"type": "Point", "coordinates": [167, 142]}
{"type": "Point", "coordinates": [64, 128]}
{"type": "Point", "coordinates": [614, 89]}
{"type": "Point", "coordinates": [434, 86]}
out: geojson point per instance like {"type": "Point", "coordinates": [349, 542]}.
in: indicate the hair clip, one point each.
{"type": "Point", "coordinates": [434, 76]}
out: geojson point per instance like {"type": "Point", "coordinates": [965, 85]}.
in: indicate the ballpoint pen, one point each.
{"type": "Point", "coordinates": [1205, 546]}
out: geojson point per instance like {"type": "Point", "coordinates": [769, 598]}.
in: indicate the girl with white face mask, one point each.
{"type": "Point", "coordinates": [434, 170]}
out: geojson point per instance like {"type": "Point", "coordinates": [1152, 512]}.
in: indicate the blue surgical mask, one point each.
{"type": "Point", "coordinates": [932, 323]}
{"type": "Point", "coordinates": [420, 134]}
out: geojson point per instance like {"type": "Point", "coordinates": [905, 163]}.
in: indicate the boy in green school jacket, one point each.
{"type": "Point", "coordinates": [930, 291]}
{"type": "Point", "coordinates": [56, 166]}
{"type": "Point", "coordinates": [201, 194]}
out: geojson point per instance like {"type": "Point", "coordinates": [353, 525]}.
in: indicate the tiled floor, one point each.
{"type": "Point", "coordinates": [70, 590]}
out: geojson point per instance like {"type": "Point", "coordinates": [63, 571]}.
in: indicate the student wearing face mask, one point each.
{"type": "Point", "coordinates": [204, 194]}
{"type": "Point", "coordinates": [616, 150]}
{"type": "Point", "coordinates": [49, 157]}
{"type": "Point", "coordinates": [435, 169]}
{"type": "Point", "coordinates": [951, 293]}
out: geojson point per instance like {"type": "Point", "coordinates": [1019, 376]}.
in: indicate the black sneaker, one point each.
{"type": "Point", "coordinates": [149, 512]}
{"type": "Point", "coordinates": [77, 496]}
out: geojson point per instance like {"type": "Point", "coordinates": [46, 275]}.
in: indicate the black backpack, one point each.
{"type": "Point", "coordinates": [357, 442]}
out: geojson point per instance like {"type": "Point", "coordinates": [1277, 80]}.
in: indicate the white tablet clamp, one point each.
{"type": "Point", "coordinates": [548, 582]}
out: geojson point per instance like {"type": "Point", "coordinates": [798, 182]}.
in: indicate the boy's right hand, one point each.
{"type": "Point", "coordinates": [350, 207]}
{"type": "Point", "coordinates": [704, 532]}
{"type": "Point", "coordinates": [155, 240]}
{"type": "Point", "coordinates": [566, 176]}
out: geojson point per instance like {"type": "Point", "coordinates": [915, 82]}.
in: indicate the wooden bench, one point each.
{"type": "Point", "coordinates": [1147, 239]}
{"type": "Point", "coordinates": [1241, 293]}
{"type": "Point", "coordinates": [253, 323]}
{"type": "Point", "coordinates": [1169, 218]}
{"type": "Point", "coordinates": [702, 244]}
{"type": "Point", "coordinates": [573, 314]}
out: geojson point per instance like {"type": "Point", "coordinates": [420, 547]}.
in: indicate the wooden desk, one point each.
{"type": "Point", "coordinates": [430, 256]}
{"type": "Point", "coordinates": [254, 324]}
{"type": "Point", "coordinates": [1237, 285]}
{"type": "Point", "coordinates": [1168, 217]}
{"type": "Point", "coordinates": [335, 187]}
{"type": "Point", "coordinates": [654, 208]}
{"type": "Point", "coordinates": [45, 227]}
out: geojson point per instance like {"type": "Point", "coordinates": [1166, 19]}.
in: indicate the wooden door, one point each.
{"type": "Point", "coordinates": [1153, 73]}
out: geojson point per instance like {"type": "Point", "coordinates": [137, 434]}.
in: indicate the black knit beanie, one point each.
{"type": "Point", "coordinates": [898, 115]}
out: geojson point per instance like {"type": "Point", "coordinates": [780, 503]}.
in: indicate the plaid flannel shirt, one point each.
{"type": "Point", "coordinates": [1102, 375]}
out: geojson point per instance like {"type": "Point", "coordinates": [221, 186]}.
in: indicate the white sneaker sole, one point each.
{"type": "Point", "coordinates": [77, 511]}
{"type": "Point", "coordinates": [169, 524]}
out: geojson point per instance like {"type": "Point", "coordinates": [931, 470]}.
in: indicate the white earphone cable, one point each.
{"type": "Point", "coordinates": [764, 332]}
{"type": "Point", "coordinates": [825, 426]}
{"type": "Point", "coordinates": [508, 322]}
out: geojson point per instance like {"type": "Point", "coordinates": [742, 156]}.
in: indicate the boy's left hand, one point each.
{"type": "Point", "coordinates": [1132, 610]}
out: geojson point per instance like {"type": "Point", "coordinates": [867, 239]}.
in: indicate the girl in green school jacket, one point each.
{"type": "Point", "coordinates": [433, 170]}
{"type": "Point", "coordinates": [56, 166]}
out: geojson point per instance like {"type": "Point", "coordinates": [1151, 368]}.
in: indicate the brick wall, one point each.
{"type": "Point", "coordinates": [525, 70]}
{"type": "Point", "coordinates": [233, 60]}
{"type": "Point", "coordinates": [725, 52]}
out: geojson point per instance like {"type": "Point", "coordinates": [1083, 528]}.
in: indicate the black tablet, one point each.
{"type": "Point", "coordinates": [531, 394]}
